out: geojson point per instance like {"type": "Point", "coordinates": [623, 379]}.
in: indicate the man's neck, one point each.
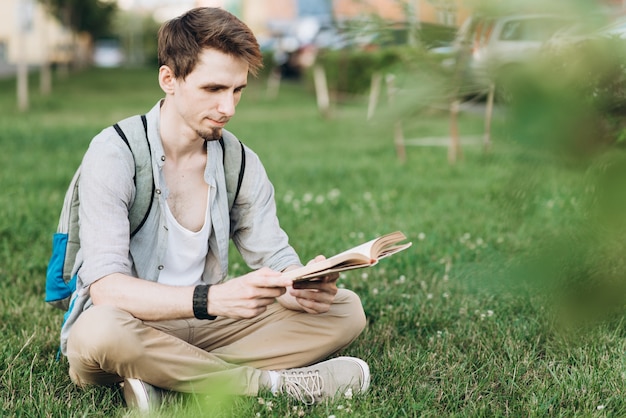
{"type": "Point", "coordinates": [179, 141]}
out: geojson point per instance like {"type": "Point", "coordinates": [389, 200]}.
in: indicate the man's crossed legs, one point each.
{"type": "Point", "coordinates": [107, 345]}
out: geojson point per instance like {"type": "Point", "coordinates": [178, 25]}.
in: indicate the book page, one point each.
{"type": "Point", "coordinates": [363, 255]}
{"type": "Point", "coordinates": [364, 249]}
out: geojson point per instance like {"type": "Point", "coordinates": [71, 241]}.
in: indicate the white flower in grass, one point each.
{"type": "Point", "coordinates": [374, 291]}
{"type": "Point", "coordinates": [421, 236]}
{"type": "Point", "coordinates": [600, 407]}
{"type": "Point", "coordinates": [364, 276]}
{"type": "Point", "coordinates": [489, 312]}
{"type": "Point", "coordinates": [445, 278]}
{"type": "Point", "coordinates": [307, 197]}
{"type": "Point", "coordinates": [334, 194]}
{"type": "Point", "coordinates": [445, 295]}
{"type": "Point", "coordinates": [429, 296]}
{"type": "Point", "coordinates": [319, 199]}
{"type": "Point", "coordinates": [367, 196]}
{"type": "Point", "coordinates": [348, 394]}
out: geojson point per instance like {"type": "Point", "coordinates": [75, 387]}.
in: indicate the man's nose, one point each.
{"type": "Point", "coordinates": [227, 104]}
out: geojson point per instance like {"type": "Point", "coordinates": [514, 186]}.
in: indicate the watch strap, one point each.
{"type": "Point", "coordinates": [201, 302]}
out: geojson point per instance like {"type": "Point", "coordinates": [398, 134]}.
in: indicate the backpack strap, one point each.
{"type": "Point", "coordinates": [233, 158]}
{"type": "Point", "coordinates": [234, 161]}
{"type": "Point", "coordinates": [137, 142]}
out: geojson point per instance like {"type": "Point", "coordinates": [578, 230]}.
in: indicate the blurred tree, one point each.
{"type": "Point", "coordinates": [137, 33]}
{"type": "Point", "coordinates": [91, 16]}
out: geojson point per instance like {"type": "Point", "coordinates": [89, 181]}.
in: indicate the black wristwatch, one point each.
{"type": "Point", "coordinates": [201, 302]}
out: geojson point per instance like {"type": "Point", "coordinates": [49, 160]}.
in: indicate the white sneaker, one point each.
{"type": "Point", "coordinates": [141, 395]}
{"type": "Point", "coordinates": [325, 380]}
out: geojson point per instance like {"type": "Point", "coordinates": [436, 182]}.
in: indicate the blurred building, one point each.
{"type": "Point", "coordinates": [442, 12]}
{"type": "Point", "coordinates": [28, 32]}
{"type": "Point", "coordinates": [257, 13]}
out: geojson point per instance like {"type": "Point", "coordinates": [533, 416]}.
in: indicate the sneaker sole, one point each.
{"type": "Point", "coordinates": [364, 368]}
{"type": "Point", "coordinates": [139, 394]}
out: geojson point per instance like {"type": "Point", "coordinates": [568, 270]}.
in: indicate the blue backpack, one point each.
{"type": "Point", "coordinates": [62, 268]}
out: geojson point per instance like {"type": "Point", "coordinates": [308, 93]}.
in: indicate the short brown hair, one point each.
{"type": "Point", "coordinates": [182, 39]}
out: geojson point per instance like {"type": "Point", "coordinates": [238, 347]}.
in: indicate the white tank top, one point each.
{"type": "Point", "coordinates": [186, 251]}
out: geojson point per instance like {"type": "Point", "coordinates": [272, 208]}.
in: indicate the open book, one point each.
{"type": "Point", "coordinates": [364, 255]}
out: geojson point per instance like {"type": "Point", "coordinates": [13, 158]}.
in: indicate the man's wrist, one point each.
{"type": "Point", "coordinates": [201, 302]}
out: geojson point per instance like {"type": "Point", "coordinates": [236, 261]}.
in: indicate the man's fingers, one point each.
{"type": "Point", "coordinates": [266, 277]}
{"type": "Point", "coordinates": [312, 306]}
{"type": "Point", "coordinates": [317, 259]}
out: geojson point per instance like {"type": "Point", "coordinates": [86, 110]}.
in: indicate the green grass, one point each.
{"type": "Point", "coordinates": [510, 302]}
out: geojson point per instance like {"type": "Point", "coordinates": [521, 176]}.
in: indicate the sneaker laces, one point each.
{"type": "Point", "coordinates": [303, 386]}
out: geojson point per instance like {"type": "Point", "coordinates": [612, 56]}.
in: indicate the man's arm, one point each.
{"type": "Point", "coordinates": [241, 297]}
{"type": "Point", "coordinates": [256, 231]}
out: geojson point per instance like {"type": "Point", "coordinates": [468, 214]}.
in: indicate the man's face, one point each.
{"type": "Point", "coordinates": [207, 98]}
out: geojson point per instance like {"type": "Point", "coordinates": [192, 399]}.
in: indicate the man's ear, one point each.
{"type": "Point", "coordinates": [166, 79]}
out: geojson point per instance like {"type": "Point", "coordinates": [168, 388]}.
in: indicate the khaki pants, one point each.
{"type": "Point", "coordinates": [192, 355]}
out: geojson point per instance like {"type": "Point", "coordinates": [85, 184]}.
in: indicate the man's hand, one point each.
{"type": "Point", "coordinates": [315, 296]}
{"type": "Point", "coordinates": [247, 296]}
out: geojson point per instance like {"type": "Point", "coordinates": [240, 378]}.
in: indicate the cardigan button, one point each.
{"type": "Point", "coordinates": [160, 267]}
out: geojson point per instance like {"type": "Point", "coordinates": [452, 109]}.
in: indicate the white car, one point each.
{"type": "Point", "coordinates": [488, 47]}
{"type": "Point", "coordinates": [108, 54]}
{"type": "Point", "coordinates": [586, 30]}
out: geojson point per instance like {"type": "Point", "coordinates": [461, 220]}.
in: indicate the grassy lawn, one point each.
{"type": "Point", "coordinates": [509, 303]}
